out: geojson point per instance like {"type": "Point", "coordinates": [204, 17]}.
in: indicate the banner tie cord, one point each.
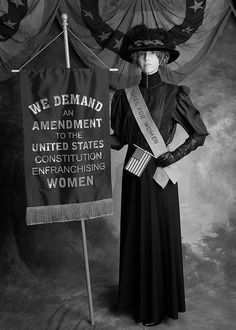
{"type": "Point", "coordinates": [88, 48]}
{"type": "Point", "coordinates": [17, 70]}
{"type": "Point", "coordinates": [38, 52]}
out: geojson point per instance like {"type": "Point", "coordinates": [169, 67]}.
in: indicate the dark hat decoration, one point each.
{"type": "Point", "coordinates": [142, 38]}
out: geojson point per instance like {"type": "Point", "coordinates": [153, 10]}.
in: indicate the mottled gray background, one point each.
{"type": "Point", "coordinates": [42, 274]}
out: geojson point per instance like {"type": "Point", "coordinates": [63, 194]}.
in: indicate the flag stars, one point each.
{"type": "Point", "coordinates": [17, 3]}
{"type": "Point", "coordinates": [88, 14]}
{"type": "Point", "coordinates": [188, 29]}
{"type": "Point", "coordinates": [10, 24]}
{"type": "Point", "coordinates": [117, 43]}
{"type": "Point", "coordinates": [197, 5]}
{"type": "Point", "coordinates": [104, 36]}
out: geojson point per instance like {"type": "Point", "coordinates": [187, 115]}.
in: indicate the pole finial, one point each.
{"type": "Point", "coordinates": [64, 18]}
{"type": "Point", "coordinates": [66, 43]}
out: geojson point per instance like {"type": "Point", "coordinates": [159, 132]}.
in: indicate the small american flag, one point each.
{"type": "Point", "coordinates": [138, 161]}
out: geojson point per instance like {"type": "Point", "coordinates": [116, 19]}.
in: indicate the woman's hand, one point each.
{"type": "Point", "coordinates": [165, 160]}
{"type": "Point", "coordinates": [190, 144]}
{"type": "Point", "coordinates": [115, 142]}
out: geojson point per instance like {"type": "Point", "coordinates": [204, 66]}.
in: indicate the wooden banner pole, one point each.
{"type": "Point", "coordinates": [86, 263]}
{"type": "Point", "coordinates": [87, 272]}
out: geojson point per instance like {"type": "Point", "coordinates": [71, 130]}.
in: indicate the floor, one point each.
{"type": "Point", "coordinates": [31, 301]}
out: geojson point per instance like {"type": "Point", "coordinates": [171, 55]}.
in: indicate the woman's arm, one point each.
{"type": "Point", "coordinates": [115, 142]}
{"type": "Point", "coordinates": [188, 116]}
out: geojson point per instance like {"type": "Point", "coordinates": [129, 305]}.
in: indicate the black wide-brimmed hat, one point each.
{"type": "Point", "coordinates": [142, 38]}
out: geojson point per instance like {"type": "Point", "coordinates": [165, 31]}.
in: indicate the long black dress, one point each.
{"type": "Point", "coordinates": [151, 279]}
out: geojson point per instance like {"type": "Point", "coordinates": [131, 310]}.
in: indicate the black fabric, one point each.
{"type": "Point", "coordinates": [165, 159]}
{"type": "Point", "coordinates": [190, 144]}
{"type": "Point", "coordinates": [168, 104]}
{"type": "Point", "coordinates": [151, 280]}
{"type": "Point", "coordinates": [151, 275]}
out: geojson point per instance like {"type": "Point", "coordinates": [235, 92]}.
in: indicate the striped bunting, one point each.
{"type": "Point", "coordinates": [138, 161]}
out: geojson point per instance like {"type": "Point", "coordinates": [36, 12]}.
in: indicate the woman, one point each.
{"type": "Point", "coordinates": [151, 280]}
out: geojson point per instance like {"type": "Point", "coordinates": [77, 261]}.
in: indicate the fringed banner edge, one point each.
{"type": "Point", "coordinates": [68, 212]}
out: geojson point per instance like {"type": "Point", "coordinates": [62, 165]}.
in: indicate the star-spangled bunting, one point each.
{"type": "Point", "coordinates": [10, 24]}
{"type": "Point", "coordinates": [4, 6]}
{"type": "Point", "coordinates": [100, 29]}
{"type": "Point", "coordinates": [23, 26]}
{"type": "Point", "coordinates": [10, 18]}
{"type": "Point", "coordinates": [88, 14]}
{"type": "Point", "coordinates": [182, 21]}
{"type": "Point", "coordinates": [104, 36]}
{"type": "Point", "coordinates": [193, 26]}
{"type": "Point", "coordinates": [188, 29]}
{"type": "Point", "coordinates": [117, 43]}
{"type": "Point", "coordinates": [17, 3]}
{"type": "Point", "coordinates": [197, 5]}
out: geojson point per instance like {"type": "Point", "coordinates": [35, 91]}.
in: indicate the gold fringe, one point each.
{"type": "Point", "coordinates": [68, 212]}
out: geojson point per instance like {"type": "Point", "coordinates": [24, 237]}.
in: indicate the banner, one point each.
{"type": "Point", "coordinates": [66, 144]}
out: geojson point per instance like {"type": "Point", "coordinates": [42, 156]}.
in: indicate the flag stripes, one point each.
{"type": "Point", "coordinates": [138, 161]}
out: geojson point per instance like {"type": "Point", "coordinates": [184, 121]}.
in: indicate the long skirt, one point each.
{"type": "Point", "coordinates": [151, 280]}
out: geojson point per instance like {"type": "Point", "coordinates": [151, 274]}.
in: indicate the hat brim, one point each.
{"type": "Point", "coordinates": [126, 54]}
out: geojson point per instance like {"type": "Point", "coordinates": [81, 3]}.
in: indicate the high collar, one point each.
{"type": "Point", "coordinates": [151, 80]}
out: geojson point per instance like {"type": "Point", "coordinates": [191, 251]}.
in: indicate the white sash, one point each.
{"type": "Point", "coordinates": [152, 135]}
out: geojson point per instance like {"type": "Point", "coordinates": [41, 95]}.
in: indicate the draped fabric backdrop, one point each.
{"type": "Point", "coordinates": [101, 26]}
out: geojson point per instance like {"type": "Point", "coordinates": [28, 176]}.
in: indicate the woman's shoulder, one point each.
{"type": "Point", "coordinates": [183, 90]}
{"type": "Point", "coordinates": [179, 90]}
{"type": "Point", "coordinates": [119, 93]}
{"type": "Point", "coordinates": [118, 97]}
{"type": "Point", "coordinates": [171, 89]}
